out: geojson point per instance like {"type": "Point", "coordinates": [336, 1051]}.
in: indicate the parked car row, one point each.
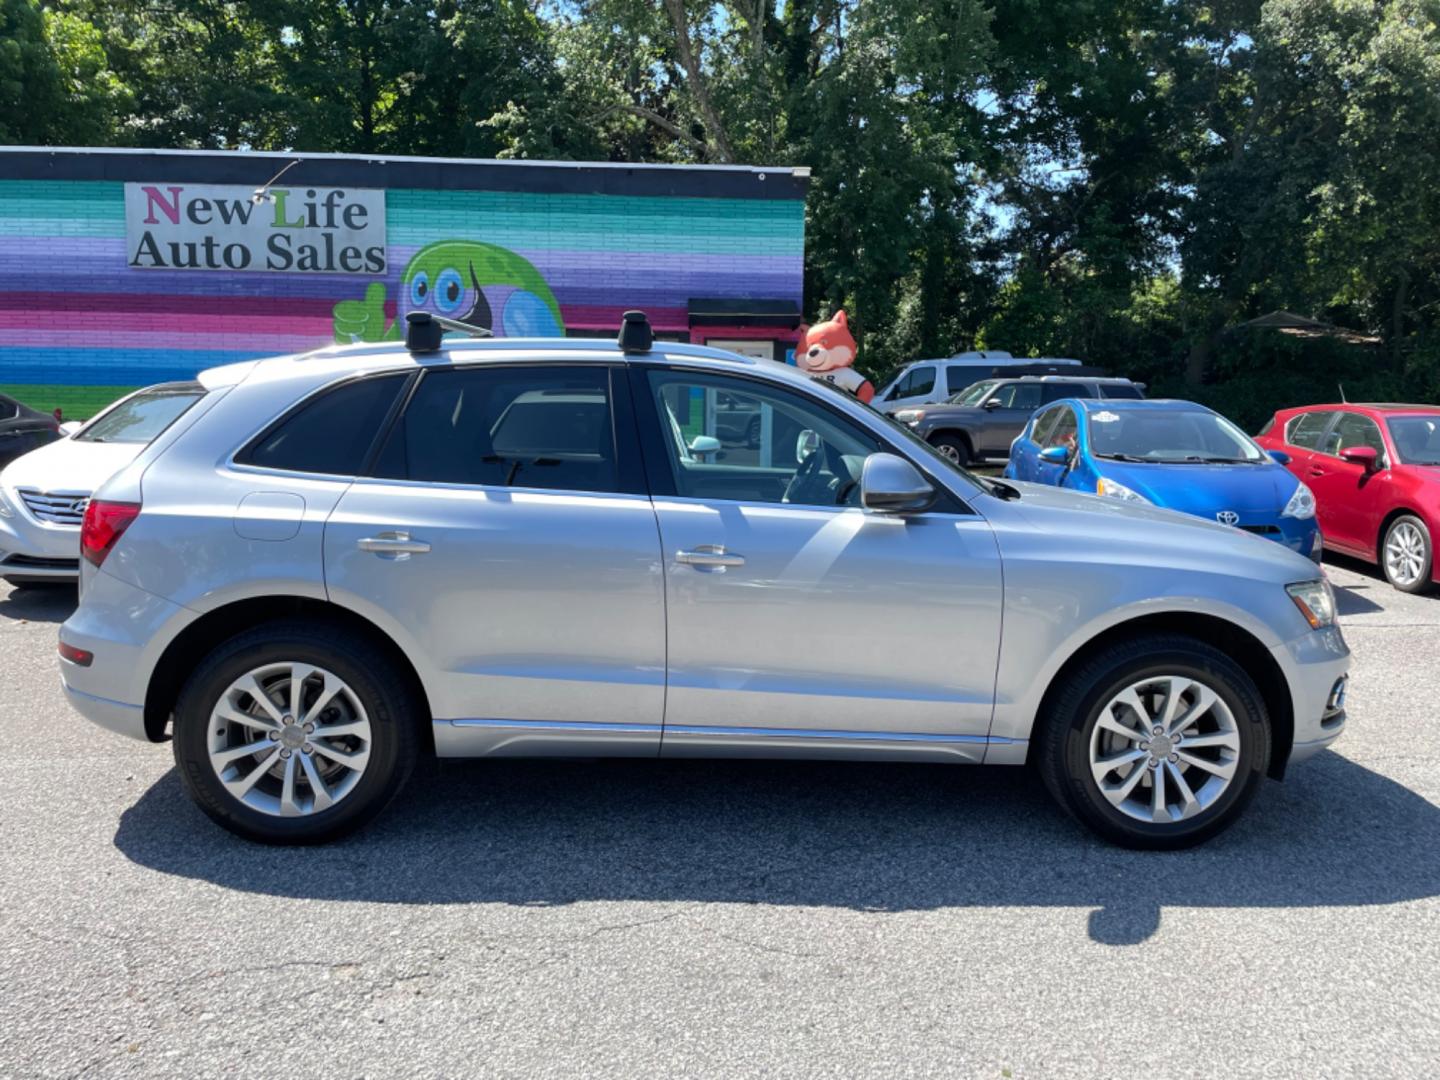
{"type": "Point", "coordinates": [1361, 479]}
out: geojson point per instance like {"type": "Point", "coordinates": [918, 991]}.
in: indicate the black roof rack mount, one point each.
{"type": "Point", "coordinates": [424, 332]}
{"type": "Point", "coordinates": [635, 333]}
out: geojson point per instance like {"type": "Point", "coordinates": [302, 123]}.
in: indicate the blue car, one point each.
{"type": "Point", "coordinates": [1174, 454]}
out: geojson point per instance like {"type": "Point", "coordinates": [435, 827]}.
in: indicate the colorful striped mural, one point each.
{"type": "Point", "coordinates": [78, 325]}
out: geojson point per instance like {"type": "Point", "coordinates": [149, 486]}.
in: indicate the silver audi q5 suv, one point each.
{"type": "Point", "coordinates": [335, 562]}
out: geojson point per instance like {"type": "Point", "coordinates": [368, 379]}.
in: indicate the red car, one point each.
{"type": "Point", "coordinates": [1375, 472]}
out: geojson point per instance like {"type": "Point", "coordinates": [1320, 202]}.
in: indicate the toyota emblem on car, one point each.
{"type": "Point", "coordinates": [1228, 517]}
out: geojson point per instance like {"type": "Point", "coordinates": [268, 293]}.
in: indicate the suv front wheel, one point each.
{"type": "Point", "coordinates": [1156, 743]}
{"type": "Point", "coordinates": [294, 733]}
{"type": "Point", "coordinates": [954, 447]}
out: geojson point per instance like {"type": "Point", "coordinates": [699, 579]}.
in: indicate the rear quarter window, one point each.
{"type": "Point", "coordinates": [331, 433]}
{"type": "Point", "coordinates": [1121, 391]}
{"type": "Point", "coordinates": [1305, 430]}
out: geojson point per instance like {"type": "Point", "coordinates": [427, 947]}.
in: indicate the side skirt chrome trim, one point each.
{"type": "Point", "coordinates": [499, 737]}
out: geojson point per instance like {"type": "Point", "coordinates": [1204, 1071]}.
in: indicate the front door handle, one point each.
{"type": "Point", "coordinates": [395, 545]}
{"type": "Point", "coordinates": [1315, 470]}
{"type": "Point", "coordinates": [709, 557]}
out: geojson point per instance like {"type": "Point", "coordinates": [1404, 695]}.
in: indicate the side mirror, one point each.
{"type": "Point", "coordinates": [891, 485]}
{"type": "Point", "coordinates": [1055, 455]}
{"type": "Point", "coordinates": [704, 444]}
{"type": "Point", "coordinates": [1361, 455]}
{"type": "Point", "coordinates": [1279, 457]}
{"type": "Point", "coordinates": [70, 427]}
{"type": "Point", "coordinates": [991, 403]}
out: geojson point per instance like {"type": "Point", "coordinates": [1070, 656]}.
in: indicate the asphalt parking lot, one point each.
{"type": "Point", "coordinates": [539, 919]}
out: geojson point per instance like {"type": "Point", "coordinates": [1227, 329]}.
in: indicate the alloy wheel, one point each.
{"type": "Point", "coordinates": [1405, 554]}
{"type": "Point", "coordinates": [1164, 749]}
{"type": "Point", "coordinates": [289, 739]}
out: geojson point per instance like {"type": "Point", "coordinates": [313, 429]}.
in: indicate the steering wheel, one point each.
{"type": "Point", "coordinates": [808, 469]}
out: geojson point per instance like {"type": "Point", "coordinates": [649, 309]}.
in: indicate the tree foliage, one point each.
{"type": "Point", "coordinates": [1125, 181]}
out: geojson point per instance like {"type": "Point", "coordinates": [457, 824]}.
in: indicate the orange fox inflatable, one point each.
{"type": "Point", "coordinates": [826, 352]}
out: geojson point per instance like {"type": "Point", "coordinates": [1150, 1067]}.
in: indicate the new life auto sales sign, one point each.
{"type": "Point", "coordinates": [303, 230]}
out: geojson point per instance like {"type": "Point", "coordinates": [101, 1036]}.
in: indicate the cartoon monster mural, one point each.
{"type": "Point", "coordinates": [826, 352]}
{"type": "Point", "coordinates": [476, 283]}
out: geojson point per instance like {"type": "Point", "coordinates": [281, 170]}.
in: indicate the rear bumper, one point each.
{"type": "Point", "coordinates": [126, 629]}
{"type": "Point", "coordinates": [1316, 666]}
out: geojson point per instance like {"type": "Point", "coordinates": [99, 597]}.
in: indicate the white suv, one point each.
{"type": "Point", "coordinates": [334, 562]}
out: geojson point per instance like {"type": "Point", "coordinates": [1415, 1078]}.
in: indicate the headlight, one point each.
{"type": "Point", "coordinates": [1316, 601]}
{"type": "Point", "coordinates": [910, 416]}
{"type": "Point", "coordinates": [1301, 504]}
{"type": "Point", "coordinates": [1118, 491]}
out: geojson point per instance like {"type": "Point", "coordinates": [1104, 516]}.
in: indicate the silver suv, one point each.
{"type": "Point", "coordinates": [335, 562]}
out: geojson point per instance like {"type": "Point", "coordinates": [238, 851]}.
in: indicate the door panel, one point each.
{"type": "Point", "coordinates": [838, 621]}
{"type": "Point", "coordinates": [1351, 501]}
{"type": "Point", "coordinates": [503, 542]}
{"type": "Point", "coordinates": [800, 623]}
{"type": "Point", "coordinates": [543, 608]}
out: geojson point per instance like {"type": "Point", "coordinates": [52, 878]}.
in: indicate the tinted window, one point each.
{"type": "Point", "coordinates": [530, 427]}
{"type": "Point", "coordinates": [1120, 390]}
{"type": "Point", "coordinates": [141, 417]}
{"type": "Point", "coordinates": [1305, 430]}
{"type": "Point", "coordinates": [8, 409]}
{"type": "Point", "coordinates": [1353, 430]}
{"type": "Point", "coordinates": [1018, 396]}
{"type": "Point", "coordinates": [922, 381]}
{"type": "Point", "coordinates": [959, 376]}
{"type": "Point", "coordinates": [329, 434]}
{"type": "Point", "coordinates": [806, 455]}
{"type": "Point", "coordinates": [1056, 391]}
{"type": "Point", "coordinates": [1417, 438]}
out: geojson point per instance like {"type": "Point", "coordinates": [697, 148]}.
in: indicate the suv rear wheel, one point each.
{"type": "Point", "coordinates": [294, 733]}
{"type": "Point", "coordinates": [1156, 743]}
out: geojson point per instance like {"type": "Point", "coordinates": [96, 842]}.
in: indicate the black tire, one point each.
{"type": "Point", "coordinates": [1421, 583]}
{"type": "Point", "coordinates": [955, 447]}
{"type": "Point", "coordinates": [394, 728]}
{"type": "Point", "coordinates": [1063, 737]}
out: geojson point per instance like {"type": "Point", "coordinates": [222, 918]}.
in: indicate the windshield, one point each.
{"type": "Point", "coordinates": [972, 394]}
{"type": "Point", "coordinates": [1168, 435]}
{"type": "Point", "coordinates": [140, 418]}
{"type": "Point", "coordinates": [1416, 438]}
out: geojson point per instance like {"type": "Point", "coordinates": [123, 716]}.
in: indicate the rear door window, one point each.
{"type": "Point", "coordinates": [1305, 430]}
{"type": "Point", "coordinates": [547, 427]}
{"type": "Point", "coordinates": [1056, 391]}
{"type": "Point", "coordinates": [330, 434]}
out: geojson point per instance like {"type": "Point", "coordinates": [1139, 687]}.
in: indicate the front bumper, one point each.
{"type": "Point", "coordinates": [1316, 666]}
{"type": "Point", "coordinates": [35, 551]}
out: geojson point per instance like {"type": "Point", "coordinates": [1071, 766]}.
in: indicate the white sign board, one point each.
{"type": "Point", "coordinates": [301, 230]}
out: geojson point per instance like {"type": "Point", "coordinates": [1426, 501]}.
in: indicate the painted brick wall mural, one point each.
{"type": "Point", "coordinates": [124, 268]}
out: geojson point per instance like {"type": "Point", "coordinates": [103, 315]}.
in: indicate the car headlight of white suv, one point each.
{"type": "Point", "coordinates": [1301, 504]}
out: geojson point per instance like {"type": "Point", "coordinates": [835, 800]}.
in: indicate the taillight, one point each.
{"type": "Point", "coordinates": [81, 657]}
{"type": "Point", "coordinates": [104, 524]}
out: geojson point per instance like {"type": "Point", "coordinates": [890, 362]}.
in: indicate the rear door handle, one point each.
{"type": "Point", "coordinates": [710, 557]}
{"type": "Point", "coordinates": [397, 545]}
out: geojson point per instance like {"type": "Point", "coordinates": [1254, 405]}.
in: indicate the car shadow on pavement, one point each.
{"type": "Point", "coordinates": [867, 837]}
{"type": "Point", "coordinates": [1351, 599]}
{"type": "Point", "coordinates": [41, 603]}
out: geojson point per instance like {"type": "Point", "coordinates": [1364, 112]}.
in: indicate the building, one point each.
{"type": "Point", "coordinates": [120, 268]}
